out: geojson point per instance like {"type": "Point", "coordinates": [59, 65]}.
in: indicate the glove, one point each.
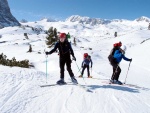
{"type": "Point", "coordinates": [47, 53]}
{"type": "Point", "coordinates": [131, 60]}
{"type": "Point", "coordinates": [74, 58]}
{"type": "Point", "coordinates": [81, 66]}
{"type": "Point", "coordinates": [91, 66]}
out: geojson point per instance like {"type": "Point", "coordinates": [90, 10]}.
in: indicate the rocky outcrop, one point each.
{"type": "Point", "coordinates": [6, 18]}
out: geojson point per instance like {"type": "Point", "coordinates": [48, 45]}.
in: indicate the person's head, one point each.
{"type": "Point", "coordinates": [89, 57]}
{"type": "Point", "coordinates": [62, 37]}
{"type": "Point", "coordinates": [119, 44]}
{"type": "Point", "coordinates": [115, 45]}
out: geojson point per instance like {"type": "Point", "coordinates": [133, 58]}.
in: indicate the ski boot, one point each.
{"type": "Point", "coordinates": [111, 81]}
{"type": "Point", "coordinates": [74, 80]}
{"type": "Point", "coordinates": [89, 76]}
{"type": "Point", "coordinates": [80, 76]}
{"type": "Point", "coordinates": [61, 82]}
{"type": "Point", "coordinates": [120, 83]}
{"type": "Point", "coordinates": [117, 82]}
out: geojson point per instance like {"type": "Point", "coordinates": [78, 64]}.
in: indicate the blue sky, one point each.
{"type": "Point", "coordinates": [33, 10]}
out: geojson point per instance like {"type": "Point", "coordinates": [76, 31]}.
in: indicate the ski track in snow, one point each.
{"type": "Point", "coordinates": [61, 98]}
{"type": "Point", "coordinates": [14, 92]}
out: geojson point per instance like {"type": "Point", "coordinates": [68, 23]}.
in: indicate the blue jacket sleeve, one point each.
{"type": "Point", "coordinates": [125, 58]}
{"type": "Point", "coordinates": [54, 49]}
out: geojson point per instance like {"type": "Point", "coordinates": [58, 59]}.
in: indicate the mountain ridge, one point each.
{"type": "Point", "coordinates": [97, 21]}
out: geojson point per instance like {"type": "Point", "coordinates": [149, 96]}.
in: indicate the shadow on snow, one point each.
{"type": "Point", "coordinates": [121, 88]}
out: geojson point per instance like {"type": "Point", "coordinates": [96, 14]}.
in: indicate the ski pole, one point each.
{"type": "Point", "coordinates": [80, 71]}
{"type": "Point", "coordinates": [127, 72]}
{"type": "Point", "coordinates": [46, 68]}
{"type": "Point", "coordinates": [78, 67]}
{"type": "Point", "coordinates": [46, 65]}
{"type": "Point", "coordinates": [91, 71]}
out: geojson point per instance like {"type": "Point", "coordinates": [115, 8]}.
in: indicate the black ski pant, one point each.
{"type": "Point", "coordinates": [88, 72]}
{"type": "Point", "coordinates": [62, 63]}
{"type": "Point", "coordinates": [116, 71]}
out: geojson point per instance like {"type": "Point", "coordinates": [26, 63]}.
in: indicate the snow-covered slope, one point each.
{"type": "Point", "coordinates": [20, 88]}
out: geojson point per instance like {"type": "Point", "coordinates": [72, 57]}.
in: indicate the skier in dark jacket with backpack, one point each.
{"type": "Point", "coordinates": [116, 46]}
{"type": "Point", "coordinates": [65, 50]}
{"type": "Point", "coordinates": [117, 57]}
{"type": "Point", "coordinates": [85, 64]}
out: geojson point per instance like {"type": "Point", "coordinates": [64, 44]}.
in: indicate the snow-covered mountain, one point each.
{"type": "Point", "coordinates": [48, 20]}
{"type": "Point", "coordinates": [6, 18]}
{"type": "Point", "coordinates": [143, 18]}
{"type": "Point", "coordinates": [87, 20]}
{"type": "Point", "coordinates": [23, 21]}
{"type": "Point", "coordinates": [20, 88]}
{"type": "Point", "coordinates": [97, 21]}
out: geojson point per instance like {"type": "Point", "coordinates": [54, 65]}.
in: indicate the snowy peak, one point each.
{"type": "Point", "coordinates": [92, 21]}
{"type": "Point", "coordinates": [143, 18]}
{"type": "Point", "coordinates": [6, 18]}
{"type": "Point", "coordinates": [87, 20]}
{"type": "Point", "coordinates": [97, 21]}
{"type": "Point", "coordinates": [48, 20]}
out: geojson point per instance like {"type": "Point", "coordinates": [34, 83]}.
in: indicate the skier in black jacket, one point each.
{"type": "Point", "coordinates": [65, 50]}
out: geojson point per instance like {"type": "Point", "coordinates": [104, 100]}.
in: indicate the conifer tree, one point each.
{"type": "Point", "coordinates": [51, 37]}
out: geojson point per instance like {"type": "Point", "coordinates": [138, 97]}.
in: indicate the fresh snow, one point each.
{"type": "Point", "coordinates": [20, 87]}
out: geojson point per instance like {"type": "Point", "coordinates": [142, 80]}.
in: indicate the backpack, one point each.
{"type": "Point", "coordinates": [89, 56]}
{"type": "Point", "coordinates": [68, 36]}
{"type": "Point", "coordinates": [110, 57]}
{"type": "Point", "coordinates": [85, 55]}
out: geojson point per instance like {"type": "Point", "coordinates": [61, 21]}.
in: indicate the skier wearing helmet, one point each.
{"type": "Point", "coordinates": [116, 46]}
{"type": "Point", "coordinates": [117, 57]}
{"type": "Point", "coordinates": [85, 64]}
{"type": "Point", "coordinates": [65, 50]}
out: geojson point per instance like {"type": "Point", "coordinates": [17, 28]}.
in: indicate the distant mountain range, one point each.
{"type": "Point", "coordinates": [97, 21]}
